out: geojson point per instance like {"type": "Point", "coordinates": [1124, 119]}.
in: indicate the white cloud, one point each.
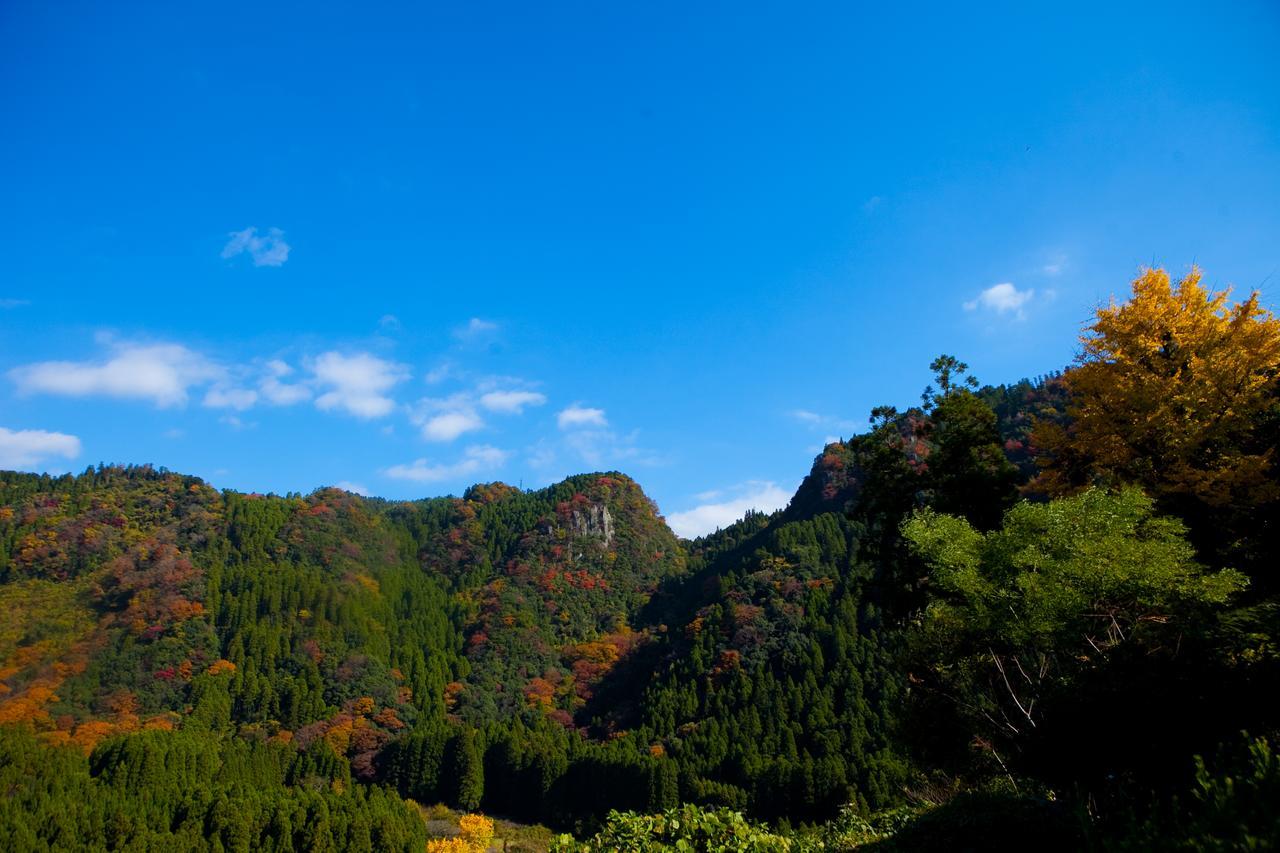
{"type": "Point", "coordinates": [1055, 265]}
{"type": "Point", "coordinates": [357, 383]}
{"type": "Point", "coordinates": [161, 373]}
{"type": "Point", "coordinates": [449, 425]}
{"type": "Point", "coordinates": [474, 329]}
{"type": "Point", "coordinates": [266, 250]}
{"type": "Point", "coordinates": [446, 418]}
{"type": "Point", "coordinates": [222, 397]}
{"type": "Point", "coordinates": [511, 402]}
{"type": "Point", "coordinates": [576, 417]}
{"type": "Point", "coordinates": [1002, 298]}
{"type": "Point", "coordinates": [477, 458]}
{"type": "Point", "coordinates": [281, 393]}
{"type": "Point", "coordinates": [354, 488]}
{"type": "Point", "coordinates": [26, 448]}
{"type": "Point", "coordinates": [709, 517]}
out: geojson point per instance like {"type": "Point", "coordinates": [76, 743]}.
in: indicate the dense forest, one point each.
{"type": "Point", "coordinates": [1031, 616]}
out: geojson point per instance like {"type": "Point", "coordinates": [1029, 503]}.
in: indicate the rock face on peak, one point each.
{"type": "Point", "coordinates": [594, 521]}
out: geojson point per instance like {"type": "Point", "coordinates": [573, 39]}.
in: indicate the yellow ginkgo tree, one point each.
{"type": "Point", "coordinates": [1168, 392]}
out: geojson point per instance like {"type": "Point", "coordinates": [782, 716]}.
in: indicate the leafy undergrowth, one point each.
{"type": "Point", "coordinates": [684, 828]}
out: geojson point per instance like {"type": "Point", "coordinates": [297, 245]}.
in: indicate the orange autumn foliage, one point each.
{"type": "Point", "coordinates": [1165, 394]}
{"type": "Point", "coordinates": [220, 666]}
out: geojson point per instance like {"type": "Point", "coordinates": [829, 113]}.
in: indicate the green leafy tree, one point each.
{"type": "Point", "coordinates": [968, 469]}
{"type": "Point", "coordinates": [1018, 615]}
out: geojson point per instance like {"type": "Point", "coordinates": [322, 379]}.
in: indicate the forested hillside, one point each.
{"type": "Point", "coordinates": [1009, 616]}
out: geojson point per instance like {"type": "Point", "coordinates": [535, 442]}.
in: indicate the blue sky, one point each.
{"type": "Point", "coordinates": [407, 248]}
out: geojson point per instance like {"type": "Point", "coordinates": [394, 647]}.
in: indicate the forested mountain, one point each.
{"type": "Point", "coordinates": [1009, 615]}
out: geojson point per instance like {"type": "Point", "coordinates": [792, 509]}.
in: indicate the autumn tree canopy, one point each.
{"type": "Point", "coordinates": [1167, 393]}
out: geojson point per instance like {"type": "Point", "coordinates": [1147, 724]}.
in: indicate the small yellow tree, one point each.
{"type": "Point", "coordinates": [1167, 393]}
{"type": "Point", "coordinates": [475, 833]}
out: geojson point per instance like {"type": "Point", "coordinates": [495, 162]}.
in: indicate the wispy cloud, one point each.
{"type": "Point", "coordinates": [28, 448]}
{"type": "Point", "coordinates": [266, 250]}
{"type": "Point", "coordinates": [475, 328]}
{"type": "Point", "coordinates": [588, 436]}
{"type": "Point", "coordinates": [160, 373]}
{"type": "Point", "coordinates": [511, 402]}
{"type": "Point", "coordinates": [237, 423]}
{"type": "Point", "coordinates": [1002, 298]}
{"type": "Point", "coordinates": [764, 496]}
{"type": "Point", "coordinates": [1056, 263]}
{"type": "Point", "coordinates": [357, 384]}
{"type": "Point", "coordinates": [281, 393]}
{"type": "Point", "coordinates": [542, 455]}
{"type": "Point", "coordinates": [14, 303]}
{"type": "Point", "coordinates": [224, 397]}
{"type": "Point", "coordinates": [604, 448]}
{"type": "Point", "coordinates": [446, 418]}
{"type": "Point", "coordinates": [439, 373]}
{"type": "Point", "coordinates": [475, 459]}
{"type": "Point", "coordinates": [354, 488]}
{"type": "Point", "coordinates": [577, 417]}
{"type": "Point", "coordinates": [818, 421]}
{"type": "Point", "coordinates": [227, 395]}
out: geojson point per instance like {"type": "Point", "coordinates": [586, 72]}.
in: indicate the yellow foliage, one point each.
{"type": "Point", "coordinates": [448, 845]}
{"type": "Point", "coordinates": [339, 736]}
{"type": "Point", "coordinates": [220, 666]}
{"type": "Point", "coordinates": [476, 831]}
{"type": "Point", "coordinates": [1165, 394]}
